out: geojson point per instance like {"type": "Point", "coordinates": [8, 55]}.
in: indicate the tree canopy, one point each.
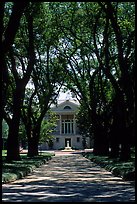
{"type": "Point", "coordinates": [88, 47]}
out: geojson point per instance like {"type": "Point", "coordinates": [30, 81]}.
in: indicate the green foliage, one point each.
{"type": "Point", "coordinates": [4, 129]}
{"type": "Point", "coordinates": [47, 127]}
{"type": "Point", "coordinates": [4, 153]}
{"type": "Point", "coordinates": [19, 169]}
{"type": "Point", "coordinates": [75, 44]}
{"type": "Point", "coordinates": [83, 121]}
{"type": "Point", "coordinates": [22, 135]}
{"type": "Point", "coordinates": [126, 170]}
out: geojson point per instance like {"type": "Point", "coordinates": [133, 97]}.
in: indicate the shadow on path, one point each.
{"type": "Point", "coordinates": [69, 178]}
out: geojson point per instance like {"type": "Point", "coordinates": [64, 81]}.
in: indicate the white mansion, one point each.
{"type": "Point", "coordinates": [66, 132]}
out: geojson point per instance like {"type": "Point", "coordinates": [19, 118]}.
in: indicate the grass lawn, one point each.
{"type": "Point", "coordinates": [14, 170]}
{"type": "Point", "coordinates": [126, 170]}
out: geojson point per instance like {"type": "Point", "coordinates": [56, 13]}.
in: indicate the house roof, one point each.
{"type": "Point", "coordinates": [65, 107]}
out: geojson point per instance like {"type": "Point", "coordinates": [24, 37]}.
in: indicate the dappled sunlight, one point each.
{"type": "Point", "coordinates": [69, 179]}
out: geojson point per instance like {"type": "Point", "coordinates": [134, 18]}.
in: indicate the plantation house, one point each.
{"type": "Point", "coordinates": [66, 132]}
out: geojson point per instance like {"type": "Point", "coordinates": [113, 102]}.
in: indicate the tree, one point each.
{"type": "Point", "coordinates": [124, 34]}
{"type": "Point", "coordinates": [7, 36]}
{"type": "Point", "coordinates": [21, 77]}
{"type": "Point", "coordinates": [47, 80]}
{"type": "Point", "coordinates": [38, 101]}
{"type": "Point", "coordinates": [88, 45]}
{"type": "Point", "coordinates": [84, 76]}
{"type": "Point", "coordinates": [97, 59]}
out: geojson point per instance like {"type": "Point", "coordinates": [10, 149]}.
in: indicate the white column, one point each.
{"type": "Point", "coordinates": [74, 126]}
{"type": "Point", "coordinates": [67, 128]}
{"type": "Point", "coordinates": [64, 128]}
{"type": "Point", "coordinates": [60, 123]}
{"type": "Point", "coordinates": [71, 127]}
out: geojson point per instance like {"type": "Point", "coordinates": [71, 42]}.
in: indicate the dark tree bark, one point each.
{"type": "Point", "coordinates": [114, 141]}
{"type": "Point", "coordinates": [6, 41]}
{"type": "Point", "coordinates": [33, 141]}
{"type": "Point", "coordinates": [13, 138]}
{"type": "Point", "coordinates": [18, 97]}
{"type": "Point", "coordinates": [126, 92]}
{"type": "Point", "coordinates": [14, 22]}
{"type": "Point", "coordinates": [101, 143]}
{"type": "Point", "coordinates": [2, 67]}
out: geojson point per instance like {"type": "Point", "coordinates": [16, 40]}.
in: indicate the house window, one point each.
{"type": "Point", "coordinates": [67, 107]}
{"type": "Point", "coordinates": [57, 139]}
{"type": "Point", "coordinates": [67, 127]}
{"type": "Point", "coordinates": [78, 139]}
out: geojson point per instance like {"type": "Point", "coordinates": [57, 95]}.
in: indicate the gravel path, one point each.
{"type": "Point", "coordinates": [69, 178]}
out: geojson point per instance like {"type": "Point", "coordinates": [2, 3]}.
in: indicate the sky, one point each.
{"type": "Point", "coordinates": [66, 96]}
{"type": "Point", "coordinates": [62, 96]}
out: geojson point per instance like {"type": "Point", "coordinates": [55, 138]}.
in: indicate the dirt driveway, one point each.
{"type": "Point", "coordinates": [69, 178]}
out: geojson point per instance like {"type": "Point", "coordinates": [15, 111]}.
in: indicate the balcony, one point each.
{"type": "Point", "coordinates": [66, 134]}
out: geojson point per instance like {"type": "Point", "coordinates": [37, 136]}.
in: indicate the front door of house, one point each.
{"type": "Point", "coordinates": [67, 142]}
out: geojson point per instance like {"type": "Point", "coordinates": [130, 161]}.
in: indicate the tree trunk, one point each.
{"type": "Point", "coordinates": [101, 145]}
{"type": "Point", "coordinates": [114, 145]}
{"type": "Point", "coordinates": [125, 145]}
{"type": "Point", "coordinates": [13, 137]}
{"type": "Point", "coordinates": [114, 139]}
{"type": "Point", "coordinates": [33, 141]}
{"type": "Point", "coordinates": [125, 152]}
{"type": "Point", "coordinates": [32, 147]}
{"type": "Point", "coordinates": [13, 141]}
